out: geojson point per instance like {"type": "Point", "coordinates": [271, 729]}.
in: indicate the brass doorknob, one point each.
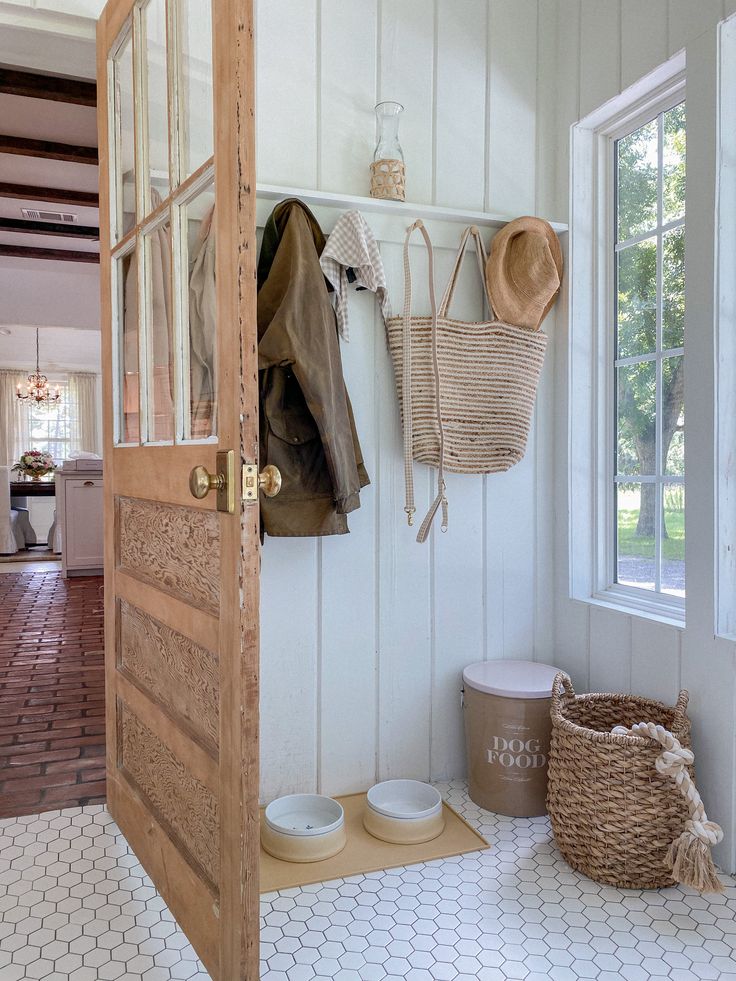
{"type": "Point", "coordinates": [269, 480]}
{"type": "Point", "coordinates": [201, 482]}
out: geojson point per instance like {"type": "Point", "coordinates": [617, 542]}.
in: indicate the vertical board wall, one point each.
{"type": "Point", "coordinates": [364, 637]}
{"type": "Point", "coordinates": [602, 47]}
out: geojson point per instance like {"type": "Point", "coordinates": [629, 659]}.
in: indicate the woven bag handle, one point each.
{"type": "Point", "coordinates": [480, 252]}
{"type": "Point", "coordinates": [440, 499]}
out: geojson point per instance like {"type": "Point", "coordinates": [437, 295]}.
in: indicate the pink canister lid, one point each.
{"type": "Point", "coordinates": [511, 679]}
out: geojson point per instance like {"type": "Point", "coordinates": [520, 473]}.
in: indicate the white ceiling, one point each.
{"type": "Point", "coordinates": [48, 173]}
{"type": "Point", "coordinates": [42, 292]}
{"type": "Point", "coordinates": [40, 119]}
{"type": "Point", "coordinates": [56, 36]}
{"type": "Point", "coordinates": [40, 34]}
{"type": "Point", "coordinates": [60, 349]}
{"type": "Point", "coordinates": [36, 241]}
{"type": "Point", "coordinates": [11, 208]}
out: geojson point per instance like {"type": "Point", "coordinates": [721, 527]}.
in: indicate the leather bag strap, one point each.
{"type": "Point", "coordinates": [440, 499]}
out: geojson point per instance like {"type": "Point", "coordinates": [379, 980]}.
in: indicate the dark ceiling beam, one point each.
{"type": "Point", "coordinates": [29, 227]}
{"type": "Point", "coordinates": [52, 195]}
{"type": "Point", "coordinates": [33, 86]}
{"type": "Point", "coordinates": [23, 147]}
{"type": "Point", "coordinates": [58, 255]}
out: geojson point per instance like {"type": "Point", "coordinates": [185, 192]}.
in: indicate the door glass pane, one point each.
{"type": "Point", "coordinates": [673, 164]}
{"type": "Point", "coordinates": [636, 325]}
{"type": "Point", "coordinates": [673, 539]}
{"type": "Point", "coordinates": [124, 138]}
{"type": "Point", "coordinates": [635, 510]}
{"type": "Point", "coordinates": [196, 85]}
{"type": "Point", "coordinates": [126, 300]}
{"type": "Point", "coordinates": [199, 311]}
{"type": "Point", "coordinates": [637, 156]}
{"type": "Point", "coordinates": [673, 289]}
{"type": "Point", "coordinates": [636, 419]}
{"type": "Point", "coordinates": [160, 347]}
{"type": "Point", "coordinates": [154, 17]}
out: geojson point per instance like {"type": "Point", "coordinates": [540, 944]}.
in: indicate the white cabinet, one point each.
{"type": "Point", "coordinates": [79, 511]}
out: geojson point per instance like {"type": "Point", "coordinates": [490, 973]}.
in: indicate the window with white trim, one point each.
{"type": "Point", "coordinates": [648, 355]}
{"type": "Point", "coordinates": [626, 468]}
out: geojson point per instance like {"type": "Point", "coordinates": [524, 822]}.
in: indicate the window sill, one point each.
{"type": "Point", "coordinates": [671, 614]}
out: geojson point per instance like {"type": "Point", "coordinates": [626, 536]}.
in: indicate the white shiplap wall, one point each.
{"type": "Point", "coordinates": [364, 637]}
{"type": "Point", "coordinates": [602, 47]}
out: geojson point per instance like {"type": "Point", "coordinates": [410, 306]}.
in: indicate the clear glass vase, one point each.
{"type": "Point", "coordinates": [387, 170]}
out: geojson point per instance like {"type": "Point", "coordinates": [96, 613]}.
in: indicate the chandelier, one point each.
{"type": "Point", "coordinates": [38, 389]}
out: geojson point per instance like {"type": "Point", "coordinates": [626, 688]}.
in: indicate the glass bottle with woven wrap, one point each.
{"type": "Point", "coordinates": [387, 169]}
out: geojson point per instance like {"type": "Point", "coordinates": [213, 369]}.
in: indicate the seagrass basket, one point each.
{"type": "Point", "coordinates": [614, 817]}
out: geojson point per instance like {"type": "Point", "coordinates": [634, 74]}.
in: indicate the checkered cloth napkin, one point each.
{"type": "Point", "coordinates": [352, 246]}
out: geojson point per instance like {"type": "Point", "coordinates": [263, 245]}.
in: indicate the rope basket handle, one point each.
{"type": "Point", "coordinates": [681, 708]}
{"type": "Point", "coordinates": [689, 857]}
{"type": "Point", "coordinates": [562, 690]}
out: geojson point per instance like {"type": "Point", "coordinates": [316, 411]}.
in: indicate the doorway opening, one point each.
{"type": "Point", "coordinates": [52, 727]}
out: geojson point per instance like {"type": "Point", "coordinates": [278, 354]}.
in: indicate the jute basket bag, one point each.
{"type": "Point", "coordinates": [466, 390]}
{"type": "Point", "coordinates": [621, 798]}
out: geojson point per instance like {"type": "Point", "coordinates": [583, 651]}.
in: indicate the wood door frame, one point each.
{"type": "Point", "coordinates": [236, 954]}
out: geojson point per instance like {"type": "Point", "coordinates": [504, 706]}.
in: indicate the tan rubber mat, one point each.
{"type": "Point", "coordinates": [364, 853]}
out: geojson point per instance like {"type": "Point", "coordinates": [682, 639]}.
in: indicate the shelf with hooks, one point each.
{"type": "Point", "coordinates": [403, 209]}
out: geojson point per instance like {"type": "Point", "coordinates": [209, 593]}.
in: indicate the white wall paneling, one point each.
{"type": "Point", "coordinates": [290, 666]}
{"type": "Point", "coordinates": [643, 37]}
{"type": "Point", "coordinates": [406, 74]}
{"type": "Point", "coordinates": [364, 636]}
{"type": "Point", "coordinates": [600, 45]}
{"type": "Point", "coordinates": [370, 631]}
{"type": "Point", "coordinates": [512, 109]}
{"type": "Point", "coordinates": [347, 93]}
{"type": "Point", "coordinates": [655, 659]}
{"type": "Point", "coordinates": [460, 103]}
{"type": "Point", "coordinates": [287, 60]}
{"type": "Point", "coordinates": [349, 630]}
{"type": "Point", "coordinates": [725, 337]}
{"type": "Point", "coordinates": [610, 650]}
{"type": "Point", "coordinates": [687, 20]}
{"type": "Point", "coordinates": [604, 647]}
{"type": "Point", "coordinates": [464, 72]}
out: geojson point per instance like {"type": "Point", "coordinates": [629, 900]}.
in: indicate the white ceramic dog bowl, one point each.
{"type": "Point", "coordinates": [404, 812]}
{"type": "Point", "coordinates": [303, 828]}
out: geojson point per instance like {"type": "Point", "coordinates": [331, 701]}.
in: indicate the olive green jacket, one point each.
{"type": "Point", "coordinates": [307, 428]}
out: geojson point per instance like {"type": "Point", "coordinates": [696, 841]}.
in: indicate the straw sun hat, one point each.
{"type": "Point", "coordinates": [524, 272]}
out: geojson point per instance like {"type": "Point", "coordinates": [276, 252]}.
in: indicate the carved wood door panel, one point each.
{"type": "Point", "coordinates": [176, 134]}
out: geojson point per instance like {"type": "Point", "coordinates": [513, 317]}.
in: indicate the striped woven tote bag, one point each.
{"type": "Point", "coordinates": [466, 390]}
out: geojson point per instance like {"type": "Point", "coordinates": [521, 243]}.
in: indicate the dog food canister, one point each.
{"type": "Point", "coordinates": [507, 733]}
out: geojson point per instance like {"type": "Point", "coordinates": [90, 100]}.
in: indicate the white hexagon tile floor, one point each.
{"type": "Point", "coordinates": [75, 905]}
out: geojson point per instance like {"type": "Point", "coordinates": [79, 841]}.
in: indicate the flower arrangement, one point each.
{"type": "Point", "coordinates": [35, 464]}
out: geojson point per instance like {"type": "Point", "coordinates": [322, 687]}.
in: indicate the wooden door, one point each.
{"type": "Point", "coordinates": [177, 185]}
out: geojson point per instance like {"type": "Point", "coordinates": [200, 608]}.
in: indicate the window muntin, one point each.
{"type": "Point", "coordinates": [648, 364]}
{"type": "Point", "coordinates": [123, 139]}
{"type": "Point", "coordinates": [154, 395]}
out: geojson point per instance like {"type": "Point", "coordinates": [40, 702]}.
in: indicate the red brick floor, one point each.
{"type": "Point", "coordinates": [52, 695]}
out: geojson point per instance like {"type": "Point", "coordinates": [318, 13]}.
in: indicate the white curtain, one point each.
{"type": "Point", "coordinates": [83, 394]}
{"type": "Point", "coordinates": [14, 419]}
